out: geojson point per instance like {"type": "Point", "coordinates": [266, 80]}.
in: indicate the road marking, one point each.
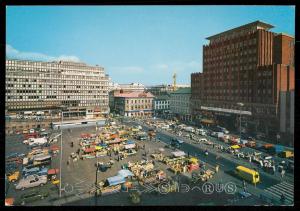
{"type": "Point", "coordinates": [277, 190]}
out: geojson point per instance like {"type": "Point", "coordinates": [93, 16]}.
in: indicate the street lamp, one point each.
{"type": "Point", "coordinates": [96, 184]}
{"type": "Point", "coordinates": [61, 149]}
{"type": "Point", "coordinates": [241, 105]}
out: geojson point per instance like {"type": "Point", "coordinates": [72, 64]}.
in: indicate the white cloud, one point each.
{"type": "Point", "coordinates": [13, 53]}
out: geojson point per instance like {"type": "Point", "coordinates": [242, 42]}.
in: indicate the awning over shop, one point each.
{"type": "Point", "coordinates": [207, 121]}
{"type": "Point", "coordinates": [178, 153]}
{"type": "Point", "coordinates": [125, 173]}
{"type": "Point", "coordinates": [116, 180]}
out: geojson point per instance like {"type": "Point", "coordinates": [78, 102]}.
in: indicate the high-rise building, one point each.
{"type": "Point", "coordinates": [77, 87]}
{"type": "Point", "coordinates": [249, 65]}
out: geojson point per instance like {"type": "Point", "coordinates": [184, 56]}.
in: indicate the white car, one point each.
{"type": "Point", "coordinates": [42, 130]}
{"type": "Point", "coordinates": [31, 181]}
{"type": "Point", "coordinates": [31, 131]}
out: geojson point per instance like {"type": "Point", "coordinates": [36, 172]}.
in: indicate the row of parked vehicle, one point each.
{"type": "Point", "coordinates": [30, 170]}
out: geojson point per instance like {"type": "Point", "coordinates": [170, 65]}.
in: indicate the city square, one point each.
{"type": "Point", "coordinates": [220, 134]}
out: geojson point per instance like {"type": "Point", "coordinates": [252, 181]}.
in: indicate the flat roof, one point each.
{"type": "Point", "coordinates": [264, 25]}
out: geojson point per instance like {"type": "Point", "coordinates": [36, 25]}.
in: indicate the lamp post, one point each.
{"type": "Point", "coordinates": [241, 105]}
{"type": "Point", "coordinates": [61, 150]}
{"type": "Point", "coordinates": [96, 184]}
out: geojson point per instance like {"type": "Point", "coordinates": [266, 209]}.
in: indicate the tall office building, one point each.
{"type": "Point", "coordinates": [76, 87]}
{"type": "Point", "coordinates": [249, 65]}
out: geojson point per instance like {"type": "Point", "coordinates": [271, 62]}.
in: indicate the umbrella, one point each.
{"type": "Point", "coordinates": [161, 149]}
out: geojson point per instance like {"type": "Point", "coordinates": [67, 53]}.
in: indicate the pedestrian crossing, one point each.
{"type": "Point", "coordinates": [282, 188]}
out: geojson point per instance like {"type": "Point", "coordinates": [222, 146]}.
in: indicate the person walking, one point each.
{"type": "Point", "coordinates": [282, 173]}
{"type": "Point", "coordinates": [217, 168]}
{"type": "Point", "coordinates": [282, 198]}
{"type": "Point", "coordinates": [244, 185]}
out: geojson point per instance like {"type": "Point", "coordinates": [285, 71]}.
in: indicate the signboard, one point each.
{"type": "Point", "coordinates": [226, 110]}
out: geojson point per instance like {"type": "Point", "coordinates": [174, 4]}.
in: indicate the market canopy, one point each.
{"type": "Point", "coordinates": [129, 142]}
{"type": "Point", "coordinates": [115, 180]}
{"type": "Point", "coordinates": [125, 173]}
{"type": "Point", "coordinates": [98, 147]}
{"type": "Point", "coordinates": [129, 146]}
{"type": "Point", "coordinates": [235, 147]}
{"type": "Point", "coordinates": [193, 160]}
{"type": "Point", "coordinates": [87, 150]}
{"type": "Point", "coordinates": [178, 153]}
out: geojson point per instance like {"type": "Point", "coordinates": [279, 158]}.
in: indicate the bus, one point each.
{"type": "Point", "coordinates": [247, 174]}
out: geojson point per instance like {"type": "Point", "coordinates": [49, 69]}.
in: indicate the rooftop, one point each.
{"type": "Point", "coordinates": [134, 95]}
{"type": "Point", "coordinates": [257, 24]}
{"type": "Point", "coordinates": [182, 91]}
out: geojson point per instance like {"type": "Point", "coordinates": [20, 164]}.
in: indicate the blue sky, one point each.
{"type": "Point", "coordinates": [145, 44]}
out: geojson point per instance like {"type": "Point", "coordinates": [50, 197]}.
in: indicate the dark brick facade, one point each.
{"type": "Point", "coordinates": [248, 64]}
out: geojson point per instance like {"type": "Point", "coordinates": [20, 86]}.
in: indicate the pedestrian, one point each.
{"type": "Point", "coordinates": [68, 162]}
{"type": "Point", "coordinates": [244, 185]}
{"type": "Point", "coordinates": [188, 154]}
{"type": "Point", "coordinates": [282, 173]}
{"type": "Point", "coordinates": [282, 198]}
{"type": "Point", "coordinates": [217, 168]}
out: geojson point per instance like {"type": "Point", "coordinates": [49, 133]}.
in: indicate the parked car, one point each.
{"type": "Point", "coordinates": [27, 171]}
{"type": "Point", "coordinates": [31, 131]}
{"type": "Point", "coordinates": [40, 172]}
{"type": "Point", "coordinates": [13, 176]}
{"type": "Point", "coordinates": [32, 196]}
{"type": "Point", "coordinates": [31, 181]}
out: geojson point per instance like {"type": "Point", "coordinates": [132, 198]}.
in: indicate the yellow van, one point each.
{"type": "Point", "coordinates": [247, 174]}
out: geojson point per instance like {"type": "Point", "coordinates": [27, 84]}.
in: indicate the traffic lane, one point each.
{"type": "Point", "coordinates": [241, 162]}
{"type": "Point", "coordinates": [225, 164]}
{"type": "Point", "coordinates": [228, 165]}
